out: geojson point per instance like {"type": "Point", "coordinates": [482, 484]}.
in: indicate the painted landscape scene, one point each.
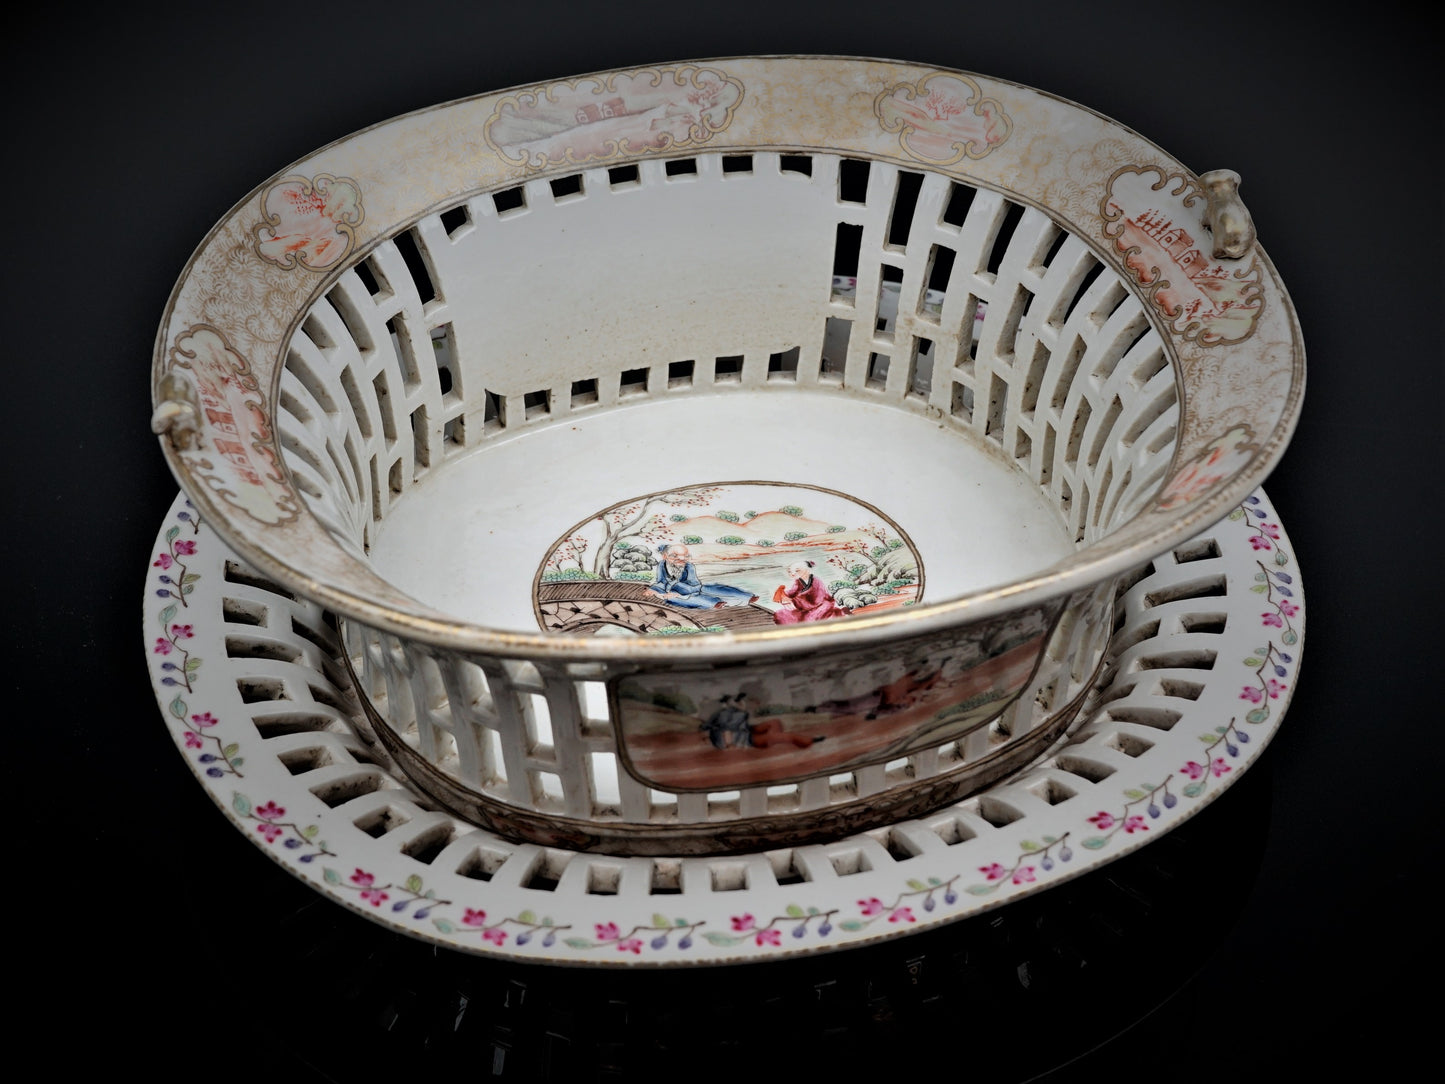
{"type": "Point", "coordinates": [739, 555]}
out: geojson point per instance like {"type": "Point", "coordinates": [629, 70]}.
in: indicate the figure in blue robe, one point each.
{"type": "Point", "coordinates": [677, 581]}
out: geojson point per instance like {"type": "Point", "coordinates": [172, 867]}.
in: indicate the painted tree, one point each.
{"type": "Point", "coordinates": [940, 105]}
{"type": "Point", "coordinates": [644, 519]}
{"type": "Point", "coordinates": [569, 549]}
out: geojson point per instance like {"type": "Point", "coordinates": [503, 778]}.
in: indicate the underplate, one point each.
{"type": "Point", "coordinates": [1199, 673]}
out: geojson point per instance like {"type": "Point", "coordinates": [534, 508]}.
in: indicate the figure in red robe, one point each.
{"type": "Point", "coordinates": [806, 599]}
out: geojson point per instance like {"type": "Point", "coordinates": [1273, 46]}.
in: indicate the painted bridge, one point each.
{"type": "Point", "coordinates": [587, 606]}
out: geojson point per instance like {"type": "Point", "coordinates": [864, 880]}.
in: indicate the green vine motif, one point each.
{"type": "Point", "coordinates": [901, 910]}
{"type": "Point", "coordinates": [1214, 767]}
{"type": "Point", "coordinates": [797, 920]}
{"type": "Point", "coordinates": [496, 932]}
{"type": "Point", "coordinates": [271, 827]}
{"type": "Point", "coordinates": [176, 581]}
{"type": "Point", "coordinates": [198, 734]}
{"type": "Point", "coordinates": [662, 930]}
{"type": "Point", "coordinates": [1032, 856]}
{"type": "Point", "coordinates": [178, 671]}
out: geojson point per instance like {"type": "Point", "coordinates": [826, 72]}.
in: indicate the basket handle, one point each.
{"type": "Point", "coordinates": [1227, 218]}
{"type": "Point", "coordinates": [177, 413]}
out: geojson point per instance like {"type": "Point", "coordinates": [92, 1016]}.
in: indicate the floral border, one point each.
{"type": "Point", "coordinates": [215, 745]}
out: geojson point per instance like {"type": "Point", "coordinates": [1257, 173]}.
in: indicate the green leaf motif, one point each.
{"type": "Point", "coordinates": [241, 804]}
{"type": "Point", "coordinates": [579, 942]}
{"type": "Point", "coordinates": [310, 830]}
{"type": "Point", "coordinates": [852, 924]}
{"type": "Point", "coordinates": [1028, 845]}
{"type": "Point", "coordinates": [1281, 558]}
{"type": "Point", "coordinates": [231, 750]}
{"type": "Point", "coordinates": [1133, 795]}
{"type": "Point", "coordinates": [916, 885]}
{"type": "Point", "coordinates": [1193, 790]}
{"type": "Point", "coordinates": [679, 922]}
{"type": "Point", "coordinates": [982, 890]}
{"type": "Point", "coordinates": [166, 615]}
{"type": "Point", "coordinates": [1237, 514]}
{"type": "Point", "coordinates": [659, 922]}
{"type": "Point", "coordinates": [716, 938]}
{"type": "Point", "coordinates": [1253, 663]}
{"type": "Point", "coordinates": [1260, 588]}
{"type": "Point", "coordinates": [331, 877]}
{"type": "Point", "coordinates": [1261, 651]}
{"type": "Point", "coordinates": [1259, 577]}
{"type": "Point", "coordinates": [413, 883]}
{"type": "Point", "coordinates": [444, 925]}
{"type": "Point", "coordinates": [527, 917]}
{"type": "Point", "coordinates": [1289, 636]}
{"type": "Point", "coordinates": [1258, 715]}
{"type": "Point", "coordinates": [794, 911]}
{"type": "Point", "coordinates": [171, 534]}
{"type": "Point", "coordinates": [1095, 842]}
{"type": "Point", "coordinates": [186, 589]}
{"type": "Point", "coordinates": [177, 707]}
{"type": "Point", "coordinates": [193, 665]}
{"type": "Point", "coordinates": [1047, 839]}
{"type": "Point", "coordinates": [236, 762]}
{"type": "Point", "coordinates": [190, 577]}
{"type": "Point", "coordinates": [1207, 738]}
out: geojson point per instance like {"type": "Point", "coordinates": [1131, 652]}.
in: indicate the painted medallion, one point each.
{"type": "Point", "coordinates": [734, 556]}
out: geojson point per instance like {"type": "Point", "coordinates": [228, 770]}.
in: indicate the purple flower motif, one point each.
{"type": "Point", "coordinates": [769, 937]}
{"type": "Point", "coordinates": [905, 914]}
{"type": "Point", "coordinates": [496, 935]}
{"type": "Point", "coordinates": [1275, 688]}
{"type": "Point", "coordinates": [270, 812]}
{"type": "Point", "coordinates": [1193, 769]}
{"type": "Point", "coordinates": [608, 931]}
{"type": "Point", "coordinates": [871, 906]}
{"type": "Point", "coordinates": [193, 740]}
{"type": "Point", "coordinates": [1259, 543]}
{"type": "Point", "coordinates": [1023, 875]}
{"type": "Point", "coordinates": [1272, 619]}
{"type": "Point", "coordinates": [270, 831]}
{"type": "Point", "coordinates": [1135, 824]}
{"type": "Point", "coordinates": [632, 945]}
{"type": "Point", "coordinates": [163, 560]}
{"type": "Point", "coordinates": [473, 917]}
{"type": "Point", "coordinates": [181, 632]}
{"type": "Point", "coordinates": [1220, 766]}
{"type": "Point", "coordinates": [1101, 820]}
{"type": "Point", "coordinates": [163, 646]}
{"type": "Point", "coordinates": [1252, 694]}
{"type": "Point", "coordinates": [184, 549]}
{"type": "Point", "coordinates": [1289, 609]}
{"type": "Point", "coordinates": [742, 922]}
{"type": "Point", "coordinates": [993, 872]}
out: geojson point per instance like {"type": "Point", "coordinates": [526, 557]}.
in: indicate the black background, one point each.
{"type": "Point", "coordinates": [1275, 934]}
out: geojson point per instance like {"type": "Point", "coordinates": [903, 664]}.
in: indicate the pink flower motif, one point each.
{"type": "Point", "coordinates": [1102, 821]}
{"type": "Point", "coordinates": [163, 560]}
{"type": "Point", "coordinates": [1193, 769]}
{"type": "Point", "coordinates": [1275, 688]}
{"type": "Point", "coordinates": [193, 740]}
{"type": "Point", "coordinates": [473, 917]}
{"type": "Point", "coordinates": [993, 872]}
{"type": "Point", "coordinates": [904, 914]}
{"type": "Point", "coordinates": [742, 922]}
{"type": "Point", "coordinates": [1272, 619]}
{"type": "Point", "coordinates": [204, 719]}
{"type": "Point", "coordinates": [496, 935]}
{"type": "Point", "coordinates": [632, 945]}
{"type": "Point", "coordinates": [1252, 694]}
{"type": "Point", "coordinates": [1260, 543]}
{"type": "Point", "coordinates": [608, 931]}
{"type": "Point", "coordinates": [1023, 875]}
{"type": "Point", "coordinates": [270, 831]}
{"type": "Point", "coordinates": [364, 879]}
{"type": "Point", "coordinates": [768, 937]}
{"type": "Point", "coordinates": [1135, 824]}
{"type": "Point", "coordinates": [871, 906]}
{"type": "Point", "coordinates": [374, 896]}
{"type": "Point", "coordinates": [1221, 766]}
{"type": "Point", "coordinates": [163, 646]}
{"type": "Point", "coordinates": [1271, 529]}
{"type": "Point", "coordinates": [185, 548]}
{"type": "Point", "coordinates": [1288, 608]}
{"type": "Point", "coordinates": [181, 632]}
{"type": "Point", "coordinates": [270, 811]}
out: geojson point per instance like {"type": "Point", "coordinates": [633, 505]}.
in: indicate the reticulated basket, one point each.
{"type": "Point", "coordinates": [727, 454]}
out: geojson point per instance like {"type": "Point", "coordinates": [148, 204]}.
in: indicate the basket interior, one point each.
{"type": "Point", "coordinates": [493, 373]}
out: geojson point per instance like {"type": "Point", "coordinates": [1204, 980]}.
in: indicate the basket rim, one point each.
{"type": "Point", "coordinates": [1148, 533]}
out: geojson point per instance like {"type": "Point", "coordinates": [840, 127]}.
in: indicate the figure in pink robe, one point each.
{"type": "Point", "coordinates": [806, 598]}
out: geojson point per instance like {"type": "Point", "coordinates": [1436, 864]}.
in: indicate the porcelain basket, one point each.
{"type": "Point", "coordinates": [730, 454]}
